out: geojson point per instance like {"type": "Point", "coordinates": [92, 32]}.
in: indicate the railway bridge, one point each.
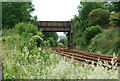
{"type": "Point", "coordinates": [58, 26]}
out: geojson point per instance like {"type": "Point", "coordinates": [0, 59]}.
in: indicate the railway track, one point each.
{"type": "Point", "coordinates": [86, 56]}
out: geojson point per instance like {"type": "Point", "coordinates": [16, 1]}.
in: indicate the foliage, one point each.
{"type": "Point", "coordinates": [15, 12]}
{"type": "Point", "coordinates": [116, 7]}
{"type": "Point", "coordinates": [90, 14]}
{"type": "Point", "coordinates": [107, 42]}
{"type": "Point", "coordinates": [16, 66]}
{"type": "Point", "coordinates": [99, 16]}
{"type": "Point", "coordinates": [26, 28]}
{"type": "Point", "coordinates": [52, 36]}
{"type": "Point", "coordinates": [45, 64]}
{"type": "Point", "coordinates": [46, 43]}
{"type": "Point", "coordinates": [64, 42]}
{"type": "Point", "coordinates": [115, 19]}
{"type": "Point", "coordinates": [8, 32]}
{"type": "Point", "coordinates": [60, 44]}
{"type": "Point", "coordinates": [66, 70]}
{"type": "Point", "coordinates": [111, 6]}
{"type": "Point", "coordinates": [90, 32]}
{"type": "Point", "coordinates": [23, 59]}
{"type": "Point", "coordinates": [11, 40]}
{"type": "Point", "coordinates": [80, 21]}
{"type": "Point", "coordinates": [86, 7]}
{"type": "Point", "coordinates": [31, 37]}
{"type": "Point", "coordinates": [81, 43]}
{"type": "Point", "coordinates": [52, 42]}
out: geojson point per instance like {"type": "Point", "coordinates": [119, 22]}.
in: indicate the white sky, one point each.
{"type": "Point", "coordinates": [55, 10]}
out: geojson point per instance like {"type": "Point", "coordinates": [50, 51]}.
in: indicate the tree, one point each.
{"type": "Point", "coordinates": [112, 6]}
{"type": "Point", "coordinates": [116, 6]}
{"type": "Point", "coordinates": [86, 7]}
{"type": "Point", "coordinates": [15, 12]}
{"type": "Point", "coordinates": [80, 21]}
{"type": "Point", "coordinates": [99, 17]}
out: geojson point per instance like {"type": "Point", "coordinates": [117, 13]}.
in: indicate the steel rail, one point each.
{"type": "Point", "coordinates": [83, 56]}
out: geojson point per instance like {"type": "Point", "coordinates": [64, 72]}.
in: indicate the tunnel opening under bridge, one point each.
{"type": "Point", "coordinates": [58, 26]}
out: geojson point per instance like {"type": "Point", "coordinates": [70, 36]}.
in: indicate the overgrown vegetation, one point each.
{"type": "Point", "coordinates": [91, 38]}
{"type": "Point", "coordinates": [23, 57]}
{"type": "Point", "coordinates": [45, 64]}
{"type": "Point", "coordinates": [90, 32]}
{"type": "Point", "coordinates": [107, 42]}
{"type": "Point", "coordinates": [63, 42]}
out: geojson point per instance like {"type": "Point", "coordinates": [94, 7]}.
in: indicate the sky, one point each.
{"type": "Point", "coordinates": [55, 10]}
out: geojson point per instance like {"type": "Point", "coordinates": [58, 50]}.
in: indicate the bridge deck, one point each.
{"type": "Point", "coordinates": [55, 26]}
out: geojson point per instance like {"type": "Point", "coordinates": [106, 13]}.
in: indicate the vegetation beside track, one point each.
{"type": "Point", "coordinates": [97, 26]}
{"type": "Point", "coordinates": [45, 64]}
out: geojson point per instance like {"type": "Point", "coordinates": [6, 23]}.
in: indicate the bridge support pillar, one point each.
{"type": "Point", "coordinates": [70, 39]}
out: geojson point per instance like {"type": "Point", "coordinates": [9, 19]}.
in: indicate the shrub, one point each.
{"type": "Point", "coordinates": [32, 38]}
{"type": "Point", "coordinates": [8, 32]}
{"type": "Point", "coordinates": [46, 43]}
{"type": "Point", "coordinates": [107, 42]}
{"type": "Point", "coordinates": [60, 44]}
{"type": "Point", "coordinates": [25, 28]}
{"type": "Point", "coordinates": [90, 32]}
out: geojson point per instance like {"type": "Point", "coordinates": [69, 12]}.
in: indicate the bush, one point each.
{"type": "Point", "coordinates": [60, 44]}
{"type": "Point", "coordinates": [32, 38]}
{"type": "Point", "coordinates": [90, 32]}
{"type": "Point", "coordinates": [8, 32]}
{"type": "Point", "coordinates": [25, 28]}
{"type": "Point", "coordinates": [46, 43]}
{"type": "Point", "coordinates": [107, 42]}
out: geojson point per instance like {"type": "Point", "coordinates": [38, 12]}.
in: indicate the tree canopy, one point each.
{"type": "Point", "coordinates": [99, 16]}
{"type": "Point", "coordinates": [15, 12]}
{"type": "Point", "coordinates": [93, 17]}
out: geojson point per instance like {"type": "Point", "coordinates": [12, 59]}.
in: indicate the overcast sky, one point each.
{"type": "Point", "coordinates": [55, 10]}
